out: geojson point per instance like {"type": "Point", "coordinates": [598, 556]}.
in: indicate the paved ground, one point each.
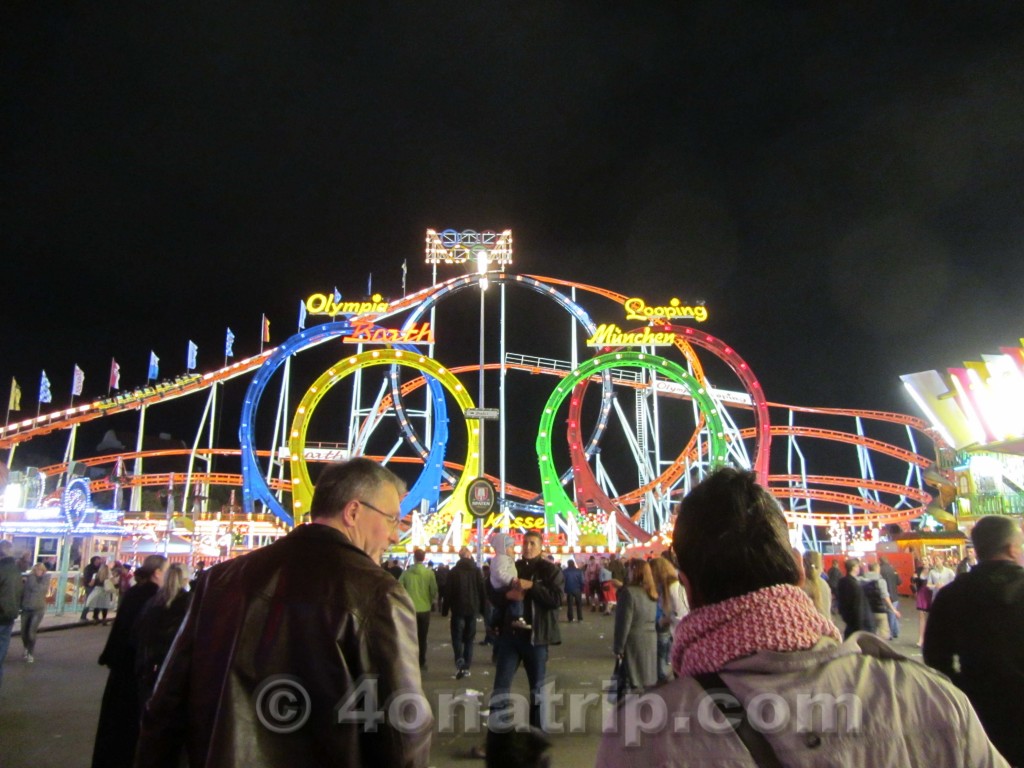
{"type": "Point", "coordinates": [48, 710]}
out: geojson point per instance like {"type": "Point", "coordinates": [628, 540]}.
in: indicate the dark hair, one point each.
{"type": "Point", "coordinates": [849, 564]}
{"type": "Point", "coordinates": [991, 535]}
{"type": "Point", "coordinates": [347, 481]}
{"type": "Point", "coordinates": [517, 749]}
{"type": "Point", "coordinates": [418, 555]}
{"type": "Point", "coordinates": [730, 538]}
{"type": "Point", "coordinates": [534, 535]}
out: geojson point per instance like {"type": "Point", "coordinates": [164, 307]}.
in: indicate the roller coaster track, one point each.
{"type": "Point", "coordinates": [784, 486]}
{"type": "Point", "coordinates": [28, 429]}
{"type": "Point", "coordinates": [882, 486]}
{"type": "Point", "coordinates": [845, 437]}
{"type": "Point", "coordinates": [222, 478]}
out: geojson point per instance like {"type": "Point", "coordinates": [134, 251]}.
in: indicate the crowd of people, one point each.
{"type": "Point", "coordinates": [643, 595]}
{"type": "Point", "coordinates": [312, 619]}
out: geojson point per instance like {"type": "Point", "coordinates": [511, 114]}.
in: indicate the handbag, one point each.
{"type": "Point", "coordinates": [617, 684]}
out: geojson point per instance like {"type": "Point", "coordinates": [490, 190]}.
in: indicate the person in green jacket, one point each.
{"type": "Point", "coordinates": [421, 584]}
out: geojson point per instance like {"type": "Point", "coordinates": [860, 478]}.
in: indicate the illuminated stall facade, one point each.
{"type": "Point", "coordinates": [977, 411]}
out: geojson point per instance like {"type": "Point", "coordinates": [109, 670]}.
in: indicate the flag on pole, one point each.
{"type": "Point", "coordinates": [337, 295]}
{"type": "Point", "coordinates": [77, 381]}
{"type": "Point", "coordinates": [302, 313]}
{"type": "Point", "coordinates": [115, 374]}
{"type": "Point", "coordinates": [190, 361]}
{"type": "Point", "coordinates": [45, 396]}
{"type": "Point", "coordinates": [266, 330]}
{"type": "Point", "coordinates": [229, 344]}
{"type": "Point", "coordinates": [154, 366]}
{"type": "Point", "coordinates": [14, 404]}
{"type": "Point", "coordinates": [369, 285]}
{"type": "Point", "coordinates": [405, 271]}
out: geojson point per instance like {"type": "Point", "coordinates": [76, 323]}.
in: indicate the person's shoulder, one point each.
{"type": "Point", "coordinates": [551, 569]}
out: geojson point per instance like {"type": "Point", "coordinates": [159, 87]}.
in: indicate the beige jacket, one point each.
{"type": "Point", "coordinates": [908, 714]}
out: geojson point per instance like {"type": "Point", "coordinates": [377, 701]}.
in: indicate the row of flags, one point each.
{"type": "Point", "coordinates": [114, 382]}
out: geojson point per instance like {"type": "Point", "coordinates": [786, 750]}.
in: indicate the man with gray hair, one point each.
{"type": "Point", "coordinates": [283, 650]}
{"type": "Point", "coordinates": [975, 633]}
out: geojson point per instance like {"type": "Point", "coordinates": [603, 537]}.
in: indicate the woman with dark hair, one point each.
{"type": "Point", "coordinates": [753, 633]}
{"type": "Point", "coordinates": [101, 595]}
{"type": "Point", "coordinates": [636, 644]}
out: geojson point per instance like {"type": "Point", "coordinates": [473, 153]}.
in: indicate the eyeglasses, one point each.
{"type": "Point", "coordinates": [393, 520]}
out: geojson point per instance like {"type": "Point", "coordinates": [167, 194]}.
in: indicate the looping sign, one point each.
{"type": "Point", "coordinates": [637, 309]}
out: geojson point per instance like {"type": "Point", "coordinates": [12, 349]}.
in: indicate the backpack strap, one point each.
{"type": "Point", "coordinates": [732, 708]}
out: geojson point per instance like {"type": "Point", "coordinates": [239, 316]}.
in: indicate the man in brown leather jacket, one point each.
{"type": "Point", "coordinates": [292, 654]}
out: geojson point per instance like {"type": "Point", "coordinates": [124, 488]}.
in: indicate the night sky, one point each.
{"type": "Point", "coordinates": [842, 187]}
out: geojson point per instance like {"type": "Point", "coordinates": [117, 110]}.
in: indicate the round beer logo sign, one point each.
{"type": "Point", "coordinates": [481, 497]}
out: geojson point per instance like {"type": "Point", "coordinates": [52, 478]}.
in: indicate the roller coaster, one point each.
{"type": "Point", "coordinates": [618, 426]}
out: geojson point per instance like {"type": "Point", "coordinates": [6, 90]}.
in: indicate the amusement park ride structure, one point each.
{"type": "Point", "coordinates": [411, 406]}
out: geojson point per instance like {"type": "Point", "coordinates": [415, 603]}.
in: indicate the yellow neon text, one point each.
{"type": "Point", "coordinates": [610, 335]}
{"type": "Point", "coordinates": [637, 309]}
{"type": "Point", "coordinates": [324, 304]}
{"type": "Point", "coordinates": [529, 523]}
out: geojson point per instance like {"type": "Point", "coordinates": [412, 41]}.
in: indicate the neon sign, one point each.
{"type": "Point", "coordinates": [452, 247]}
{"type": "Point", "coordinates": [324, 304]}
{"type": "Point", "coordinates": [637, 309]}
{"type": "Point", "coordinates": [75, 500]}
{"type": "Point", "coordinates": [522, 523]}
{"type": "Point", "coordinates": [610, 335]}
{"type": "Point", "coordinates": [525, 522]}
{"type": "Point", "coordinates": [363, 332]}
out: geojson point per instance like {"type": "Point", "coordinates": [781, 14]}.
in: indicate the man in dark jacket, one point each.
{"type": "Point", "coordinates": [853, 604]}
{"type": "Point", "coordinates": [573, 591]}
{"type": "Point", "coordinates": [542, 586]}
{"type": "Point", "coordinates": [118, 728]}
{"type": "Point", "coordinates": [975, 633]}
{"type": "Point", "coordinates": [10, 599]}
{"type": "Point", "coordinates": [465, 600]}
{"type": "Point", "coordinates": [289, 654]}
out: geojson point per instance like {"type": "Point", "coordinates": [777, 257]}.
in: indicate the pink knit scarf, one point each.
{"type": "Point", "coordinates": [779, 618]}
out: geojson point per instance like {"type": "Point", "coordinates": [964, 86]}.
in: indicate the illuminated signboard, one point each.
{"type": "Point", "coordinates": [75, 500]}
{"type": "Point", "coordinates": [318, 454]}
{"type": "Point", "coordinates": [332, 305]}
{"type": "Point", "coordinates": [364, 332]}
{"type": "Point", "coordinates": [610, 335]}
{"type": "Point", "coordinates": [520, 523]}
{"type": "Point", "coordinates": [453, 247]}
{"type": "Point", "coordinates": [529, 523]}
{"type": "Point", "coordinates": [637, 309]}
